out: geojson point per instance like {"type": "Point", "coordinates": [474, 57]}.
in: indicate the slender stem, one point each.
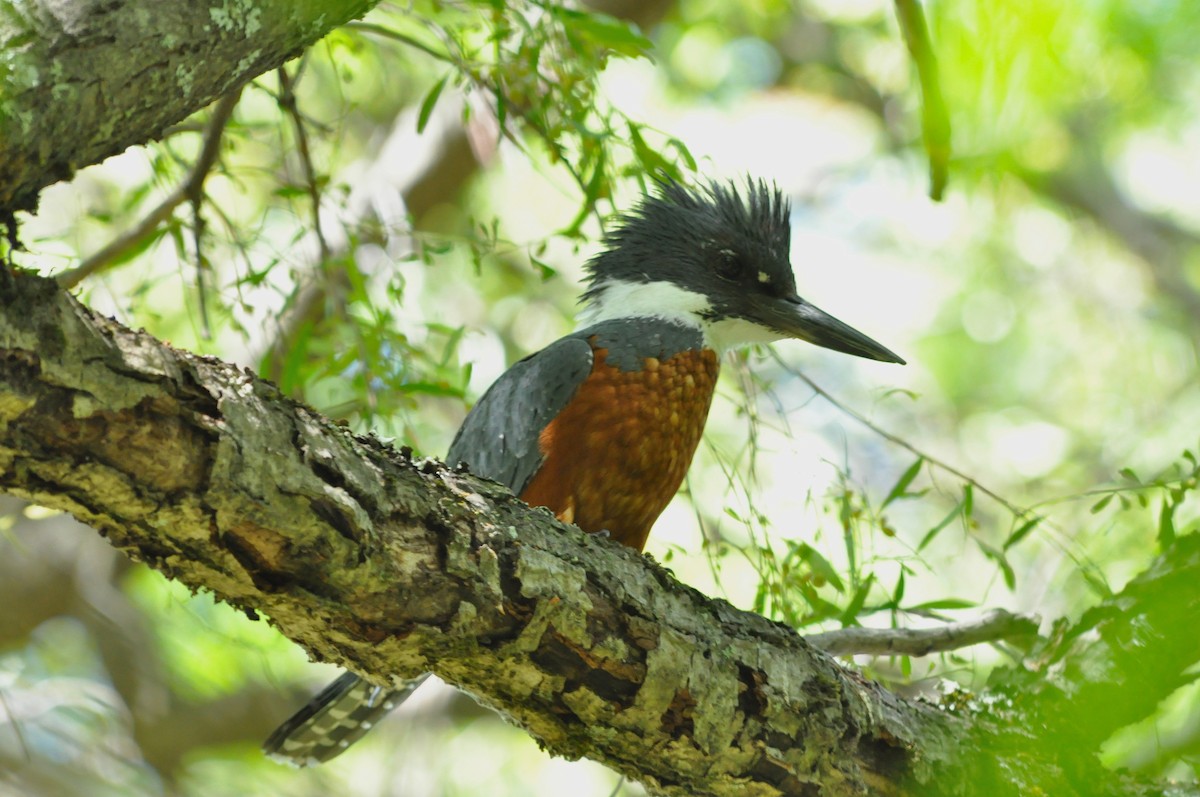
{"type": "Point", "coordinates": [189, 189]}
{"type": "Point", "coordinates": [996, 624]}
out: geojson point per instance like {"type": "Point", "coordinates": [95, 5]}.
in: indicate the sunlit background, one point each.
{"type": "Point", "coordinates": [1029, 455]}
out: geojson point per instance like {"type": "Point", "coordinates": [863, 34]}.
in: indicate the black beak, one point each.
{"type": "Point", "coordinates": [796, 318]}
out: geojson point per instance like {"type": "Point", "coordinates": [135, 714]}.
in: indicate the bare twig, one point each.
{"type": "Point", "coordinates": [996, 624]}
{"type": "Point", "coordinates": [185, 191]}
{"type": "Point", "coordinates": [287, 101]}
{"type": "Point", "coordinates": [403, 38]}
{"type": "Point", "coordinates": [935, 122]}
{"type": "Point", "coordinates": [1017, 511]}
{"type": "Point", "coordinates": [196, 202]}
{"type": "Point", "coordinates": [1028, 514]}
{"type": "Point", "coordinates": [452, 162]}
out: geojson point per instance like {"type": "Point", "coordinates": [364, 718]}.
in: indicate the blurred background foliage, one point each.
{"type": "Point", "coordinates": [403, 211]}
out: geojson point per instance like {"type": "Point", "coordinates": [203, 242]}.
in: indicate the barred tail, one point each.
{"type": "Point", "coordinates": [335, 719]}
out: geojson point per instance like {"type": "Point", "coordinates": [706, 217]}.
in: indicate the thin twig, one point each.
{"type": "Point", "coordinates": [287, 101]}
{"type": "Point", "coordinates": [1028, 513]}
{"type": "Point", "coordinates": [192, 186]}
{"type": "Point", "coordinates": [196, 201]}
{"type": "Point", "coordinates": [470, 70]}
{"type": "Point", "coordinates": [996, 624]}
{"type": "Point", "coordinates": [304, 308]}
{"type": "Point", "coordinates": [403, 38]}
{"type": "Point", "coordinates": [327, 281]}
{"type": "Point", "coordinates": [1017, 511]}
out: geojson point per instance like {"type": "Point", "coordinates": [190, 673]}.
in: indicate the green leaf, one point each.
{"type": "Point", "coordinates": [437, 247]}
{"type": "Point", "coordinates": [430, 388]}
{"type": "Point", "coordinates": [820, 609]}
{"type": "Point", "coordinates": [684, 153]}
{"type": "Point", "coordinates": [647, 156]}
{"type": "Point", "coordinates": [427, 104]}
{"type": "Point", "coordinates": [1103, 502]}
{"type": "Point", "coordinates": [501, 110]}
{"type": "Point", "coordinates": [901, 485]}
{"type": "Point", "coordinates": [1010, 577]}
{"type": "Point", "coordinates": [946, 521]}
{"type": "Point", "coordinates": [898, 591]}
{"type": "Point", "coordinates": [944, 603]}
{"type": "Point", "coordinates": [901, 391]}
{"type": "Point", "coordinates": [546, 270]}
{"type": "Point", "coordinates": [290, 191]}
{"type": "Point", "coordinates": [290, 376]}
{"type": "Point", "coordinates": [604, 31]}
{"type": "Point", "coordinates": [850, 615]}
{"type": "Point", "coordinates": [760, 598]}
{"type": "Point", "coordinates": [1022, 532]}
{"type": "Point", "coordinates": [1166, 524]}
{"type": "Point", "coordinates": [1130, 475]}
{"type": "Point", "coordinates": [820, 565]}
{"type": "Point", "coordinates": [1095, 579]}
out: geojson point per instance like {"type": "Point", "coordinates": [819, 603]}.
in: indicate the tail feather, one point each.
{"type": "Point", "coordinates": [335, 719]}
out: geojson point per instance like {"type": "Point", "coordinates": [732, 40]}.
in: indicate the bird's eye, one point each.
{"type": "Point", "coordinates": [730, 265]}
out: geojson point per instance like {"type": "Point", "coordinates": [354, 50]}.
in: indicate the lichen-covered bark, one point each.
{"type": "Point", "coordinates": [392, 566]}
{"type": "Point", "coordinates": [80, 81]}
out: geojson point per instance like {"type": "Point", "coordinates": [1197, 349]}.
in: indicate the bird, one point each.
{"type": "Point", "coordinates": [600, 426]}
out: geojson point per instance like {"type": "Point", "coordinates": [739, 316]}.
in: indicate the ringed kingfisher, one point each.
{"type": "Point", "coordinates": [600, 426]}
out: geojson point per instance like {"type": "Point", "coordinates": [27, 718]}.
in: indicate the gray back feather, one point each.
{"type": "Point", "coordinates": [499, 438]}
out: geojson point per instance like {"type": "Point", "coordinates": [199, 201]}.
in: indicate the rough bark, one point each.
{"type": "Point", "coordinates": [82, 81]}
{"type": "Point", "coordinates": [392, 566]}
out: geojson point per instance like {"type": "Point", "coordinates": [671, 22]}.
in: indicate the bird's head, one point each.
{"type": "Point", "coordinates": [715, 258]}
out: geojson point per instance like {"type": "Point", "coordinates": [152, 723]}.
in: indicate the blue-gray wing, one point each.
{"type": "Point", "coordinates": [499, 438]}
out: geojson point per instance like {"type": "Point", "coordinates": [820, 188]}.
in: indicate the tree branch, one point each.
{"type": "Point", "coordinates": [83, 81]}
{"type": "Point", "coordinates": [190, 189]}
{"type": "Point", "coordinates": [391, 567]}
{"type": "Point", "coordinates": [996, 624]}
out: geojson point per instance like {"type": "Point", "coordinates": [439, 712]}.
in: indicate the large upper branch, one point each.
{"type": "Point", "coordinates": [83, 81]}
